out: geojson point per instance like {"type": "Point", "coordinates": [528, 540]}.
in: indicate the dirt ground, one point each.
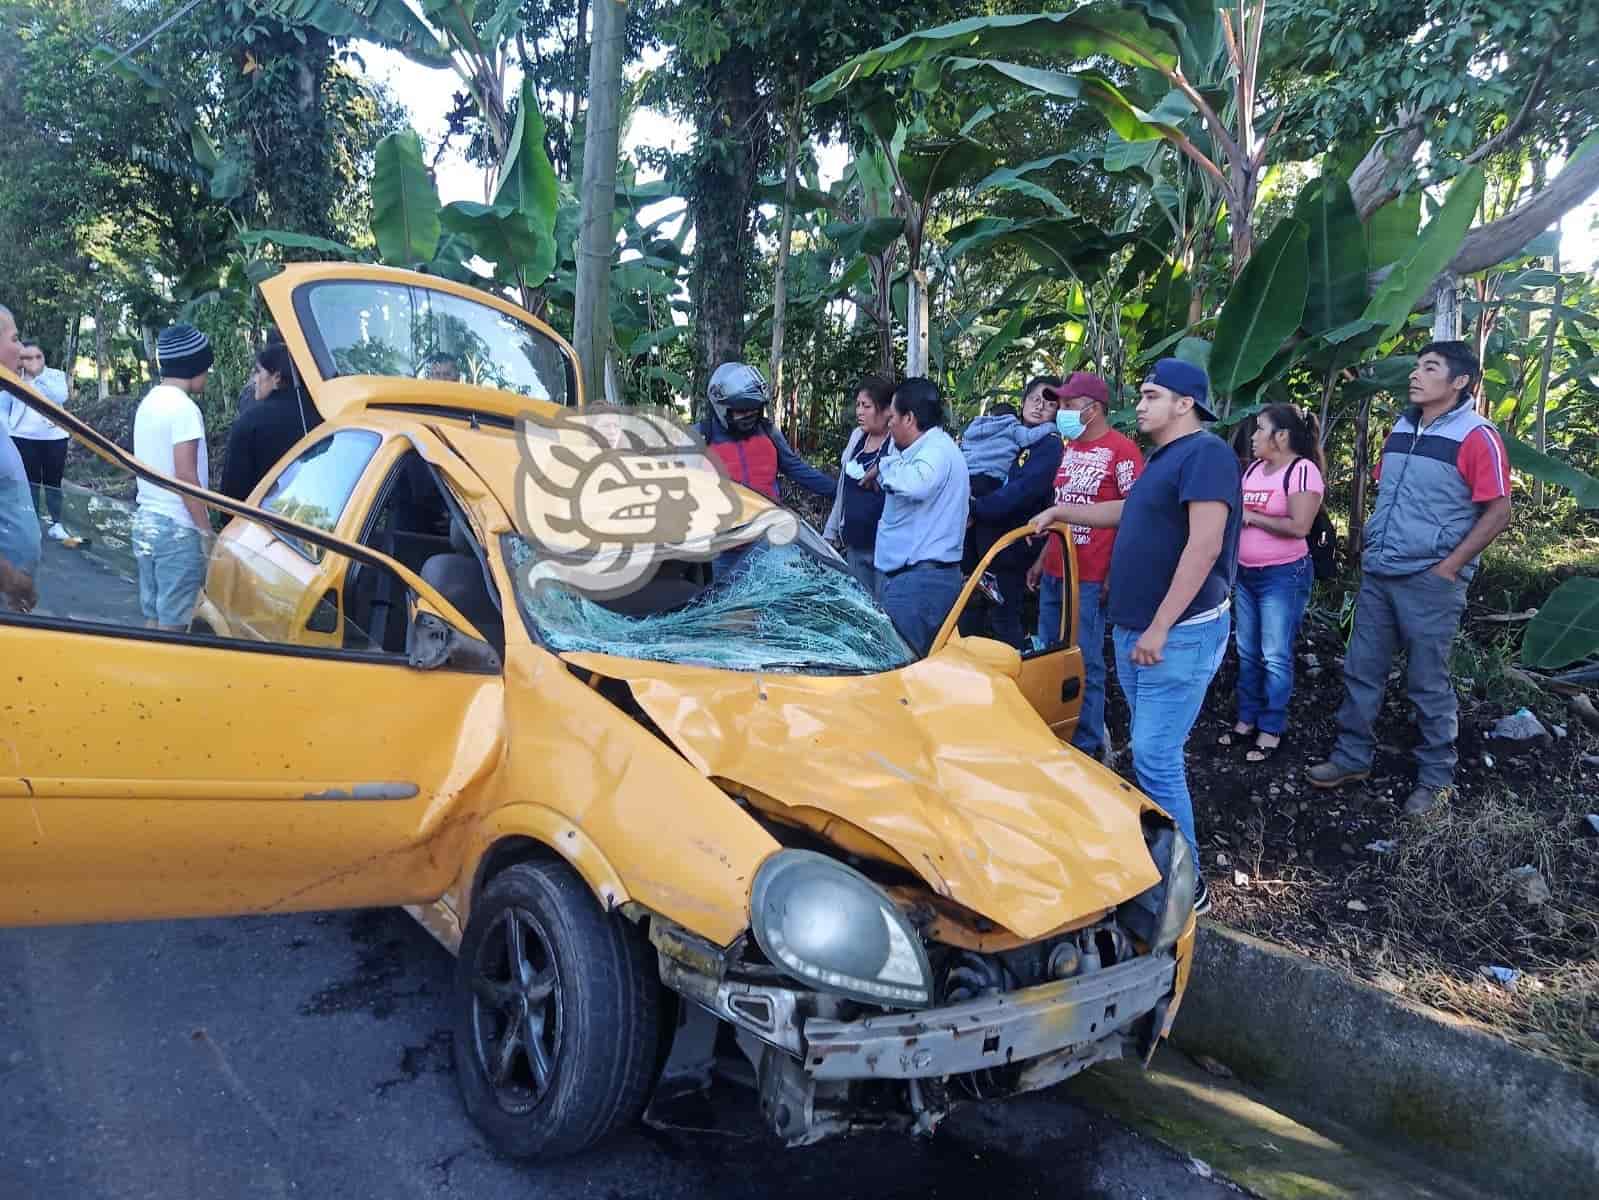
{"type": "Point", "coordinates": [1419, 906]}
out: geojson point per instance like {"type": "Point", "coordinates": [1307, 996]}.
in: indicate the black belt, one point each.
{"type": "Point", "coordinates": [924, 563]}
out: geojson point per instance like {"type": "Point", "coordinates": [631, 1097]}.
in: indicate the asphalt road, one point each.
{"type": "Point", "coordinates": [308, 1055]}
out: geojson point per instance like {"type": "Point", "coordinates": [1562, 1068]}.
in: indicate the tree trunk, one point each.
{"type": "Point", "coordinates": [916, 321]}
{"type": "Point", "coordinates": [780, 282]}
{"type": "Point", "coordinates": [1446, 309]}
{"type": "Point", "coordinates": [720, 188]}
{"type": "Point", "coordinates": [1357, 497]}
{"type": "Point", "coordinates": [591, 328]}
{"type": "Point", "coordinates": [1541, 428]}
{"type": "Point", "coordinates": [69, 360]}
{"type": "Point", "coordinates": [102, 382]}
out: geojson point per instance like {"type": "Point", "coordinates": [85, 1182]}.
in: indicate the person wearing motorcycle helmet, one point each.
{"type": "Point", "coordinates": [738, 432]}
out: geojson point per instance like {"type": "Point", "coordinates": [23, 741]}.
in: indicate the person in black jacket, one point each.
{"type": "Point", "coordinates": [1029, 488]}
{"type": "Point", "coordinates": [281, 416]}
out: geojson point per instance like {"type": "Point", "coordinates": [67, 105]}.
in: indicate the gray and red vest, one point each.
{"type": "Point", "coordinates": [1424, 505]}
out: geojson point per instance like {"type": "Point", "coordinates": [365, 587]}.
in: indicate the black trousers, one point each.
{"type": "Point", "coordinates": [44, 459]}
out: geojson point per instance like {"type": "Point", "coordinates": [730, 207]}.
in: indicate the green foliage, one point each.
{"type": "Point", "coordinates": [405, 205]}
{"type": "Point", "coordinates": [1089, 31]}
{"type": "Point", "coordinates": [529, 189]}
{"type": "Point", "coordinates": [1433, 249]}
{"type": "Point", "coordinates": [1263, 309]}
{"type": "Point", "coordinates": [1566, 629]}
{"type": "Point", "coordinates": [1525, 459]}
{"type": "Point", "coordinates": [1337, 254]}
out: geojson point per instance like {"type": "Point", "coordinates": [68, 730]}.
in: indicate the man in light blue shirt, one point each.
{"type": "Point", "coordinates": [923, 530]}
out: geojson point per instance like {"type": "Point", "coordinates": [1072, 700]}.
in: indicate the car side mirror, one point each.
{"type": "Point", "coordinates": [431, 643]}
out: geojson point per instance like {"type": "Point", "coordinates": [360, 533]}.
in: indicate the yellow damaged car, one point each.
{"type": "Point", "coordinates": [629, 740]}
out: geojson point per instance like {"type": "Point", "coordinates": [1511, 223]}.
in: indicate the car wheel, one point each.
{"type": "Point", "coordinates": [557, 1014]}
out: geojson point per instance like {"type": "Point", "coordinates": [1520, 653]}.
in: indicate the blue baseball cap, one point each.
{"type": "Point", "coordinates": [1185, 379]}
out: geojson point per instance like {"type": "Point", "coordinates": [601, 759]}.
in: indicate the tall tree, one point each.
{"type": "Point", "coordinates": [596, 242]}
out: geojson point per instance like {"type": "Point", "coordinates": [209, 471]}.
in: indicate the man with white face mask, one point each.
{"type": "Point", "coordinates": [1099, 464]}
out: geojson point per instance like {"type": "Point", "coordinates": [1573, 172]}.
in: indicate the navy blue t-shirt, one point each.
{"type": "Point", "coordinates": [863, 507]}
{"type": "Point", "coordinates": [1154, 529]}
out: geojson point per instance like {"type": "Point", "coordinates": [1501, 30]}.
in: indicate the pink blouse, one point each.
{"type": "Point", "coordinates": [1268, 494]}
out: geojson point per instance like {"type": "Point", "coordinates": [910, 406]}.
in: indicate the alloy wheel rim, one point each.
{"type": "Point", "coordinates": [516, 1010]}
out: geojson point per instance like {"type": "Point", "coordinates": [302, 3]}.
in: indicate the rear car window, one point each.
{"type": "Point", "coordinates": [366, 327]}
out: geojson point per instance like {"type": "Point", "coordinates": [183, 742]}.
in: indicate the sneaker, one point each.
{"type": "Point", "coordinates": [1201, 898]}
{"type": "Point", "coordinates": [989, 586]}
{"type": "Point", "coordinates": [1331, 775]}
{"type": "Point", "coordinates": [58, 533]}
{"type": "Point", "coordinates": [1424, 799]}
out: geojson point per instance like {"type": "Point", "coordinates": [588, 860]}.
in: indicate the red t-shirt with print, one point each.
{"type": "Point", "coordinates": [1103, 469]}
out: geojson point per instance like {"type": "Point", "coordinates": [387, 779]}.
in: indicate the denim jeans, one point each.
{"type": "Point", "coordinates": [171, 558]}
{"type": "Point", "coordinates": [1164, 701]}
{"type": "Point", "coordinates": [918, 599]}
{"type": "Point", "coordinates": [1420, 614]}
{"type": "Point", "coordinates": [1270, 603]}
{"type": "Point", "coordinates": [1090, 734]}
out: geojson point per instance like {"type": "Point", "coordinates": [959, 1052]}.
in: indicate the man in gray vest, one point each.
{"type": "Point", "coordinates": [1444, 495]}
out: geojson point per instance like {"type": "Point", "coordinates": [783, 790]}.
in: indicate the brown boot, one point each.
{"type": "Point", "coordinates": [1331, 775]}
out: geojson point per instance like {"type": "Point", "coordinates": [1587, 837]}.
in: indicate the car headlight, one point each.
{"type": "Point", "coordinates": [832, 927]}
{"type": "Point", "coordinates": [1159, 915]}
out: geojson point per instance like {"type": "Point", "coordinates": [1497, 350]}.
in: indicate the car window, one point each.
{"type": "Point", "coordinates": [315, 487]}
{"type": "Point", "coordinates": [359, 327]}
{"type": "Point", "coordinates": [139, 557]}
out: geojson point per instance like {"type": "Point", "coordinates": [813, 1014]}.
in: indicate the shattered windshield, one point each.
{"type": "Point", "coordinates": [763, 607]}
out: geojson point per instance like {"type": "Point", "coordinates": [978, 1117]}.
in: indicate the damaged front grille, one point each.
{"type": "Point", "coordinates": [961, 975]}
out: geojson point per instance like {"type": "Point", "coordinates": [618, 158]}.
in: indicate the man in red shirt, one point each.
{"type": "Point", "coordinates": [1099, 464]}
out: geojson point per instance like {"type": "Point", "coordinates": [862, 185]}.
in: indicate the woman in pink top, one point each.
{"type": "Point", "coordinates": [1282, 493]}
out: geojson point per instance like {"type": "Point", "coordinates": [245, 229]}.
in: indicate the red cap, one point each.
{"type": "Point", "coordinates": [1080, 383]}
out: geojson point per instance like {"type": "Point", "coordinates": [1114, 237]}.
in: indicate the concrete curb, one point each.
{"type": "Point", "coordinates": [1322, 1042]}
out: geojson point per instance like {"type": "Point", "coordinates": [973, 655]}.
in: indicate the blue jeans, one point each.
{"type": "Point", "coordinates": [171, 558]}
{"type": "Point", "coordinates": [1270, 602]}
{"type": "Point", "coordinates": [918, 599]}
{"type": "Point", "coordinates": [1164, 701]}
{"type": "Point", "coordinates": [1090, 734]}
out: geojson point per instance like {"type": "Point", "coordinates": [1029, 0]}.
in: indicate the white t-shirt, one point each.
{"type": "Point", "coordinates": [166, 417]}
{"type": "Point", "coordinates": [25, 423]}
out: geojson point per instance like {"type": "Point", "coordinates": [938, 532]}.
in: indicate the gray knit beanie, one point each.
{"type": "Point", "coordinates": [183, 352]}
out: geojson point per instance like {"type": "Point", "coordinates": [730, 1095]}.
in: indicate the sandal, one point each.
{"type": "Point", "coordinates": [1263, 754]}
{"type": "Point", "coordinates": [1234, 735]}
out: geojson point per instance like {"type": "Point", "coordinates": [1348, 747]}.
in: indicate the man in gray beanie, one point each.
{"type": "Point", "coordinates": [171, 532]}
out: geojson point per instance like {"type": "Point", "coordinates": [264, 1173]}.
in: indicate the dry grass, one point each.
{"type": "Point", "coordinates": [1553, 1012]}
{"type": "Point", "coordinates": [1442, 906]}
{"type": "Point", "coordinates": [1452, 871]}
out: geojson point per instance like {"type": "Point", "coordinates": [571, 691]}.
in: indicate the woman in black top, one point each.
{"type": "Point", "coordinates": [281, 416]}
{"type": "Point", "coordinates": [858, 504]}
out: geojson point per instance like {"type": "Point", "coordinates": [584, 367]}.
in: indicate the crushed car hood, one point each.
{"type": "Point", "coordinates": [944, 761]}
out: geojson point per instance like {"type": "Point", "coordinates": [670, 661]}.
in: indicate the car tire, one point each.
{"type": "Point", "coordinates": [583, 1010]}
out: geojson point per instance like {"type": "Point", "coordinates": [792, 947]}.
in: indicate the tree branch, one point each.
{"type": "Point", "coordinates": [1513, 130]}
{"type": "Point", "coordinates": [1369, 182]}
{"type": "Point", "coordinates": [1492, 243]}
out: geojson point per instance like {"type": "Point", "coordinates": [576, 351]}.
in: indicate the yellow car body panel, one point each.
{"type": "Point", "coordinates": [144, 778]}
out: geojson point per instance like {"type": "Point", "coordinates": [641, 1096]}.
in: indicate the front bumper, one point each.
{"type": "Point", "coordinates": [992, 1031]}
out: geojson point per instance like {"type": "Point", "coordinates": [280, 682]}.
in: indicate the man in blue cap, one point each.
{"type": "Point", "coordinates": [1171, 579]}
